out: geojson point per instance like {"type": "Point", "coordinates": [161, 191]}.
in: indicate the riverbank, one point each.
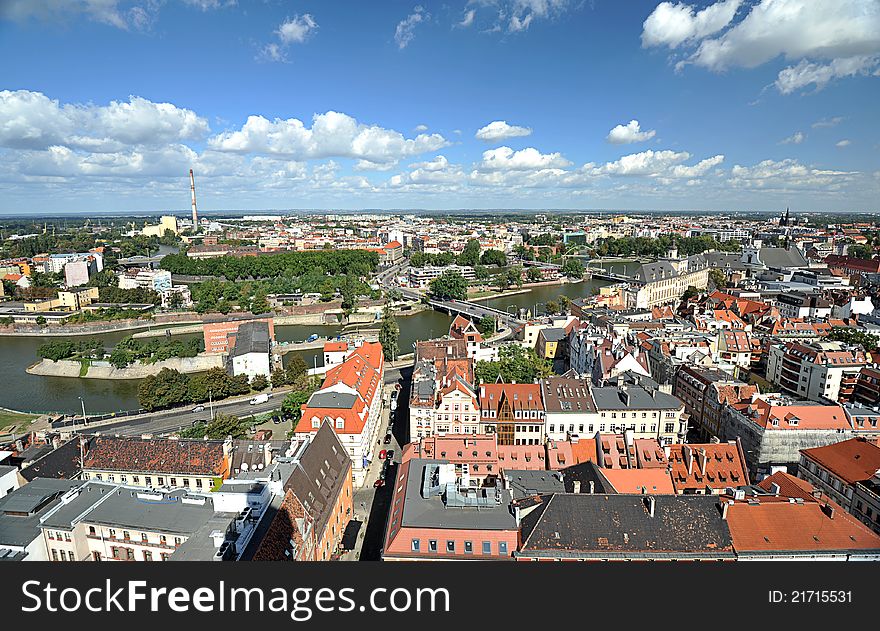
{"type": "Point", "coordinates": [526, 288]}
{"type": "Point", "coordinates": [103, 370]}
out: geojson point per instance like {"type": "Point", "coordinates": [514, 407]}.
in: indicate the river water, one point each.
{"type": "Point", "coordinates": [33, 393]}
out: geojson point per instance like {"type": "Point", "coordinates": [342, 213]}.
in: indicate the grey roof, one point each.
{"type": "Point", "coordinates": [252, 337]}
{"type": "Point", "coordinates": [65, 516]}
{"type": "Point", "coordinates": [525, 482]}
{"type": "Point", "coordinates": [31, 502]}
{"type": "Point", "coordinates": [199, 546]}
{"type": "Point", "coordinates": [725, 260]}
{"type": "Point", "coordinates": [4, 469]}
{"type": "Point", "coordinates": [780, 257]}
{"type": "Point", "coordinates": [60, 463]}
{"type": "Point", "coordinates": [658, 270]}
{"type": "Point", "coordinates": [553, 334]}
{"type": "Point", "coordinates": [332, 400]}
{"type": "Point", "coordinates": [633, 398]}
{"type": "Point", "coordinates": [594, 525]}
{"type": "Point", "coordinates": [123, 508]}
{"type": "Point", "coordinates": [432, 512]}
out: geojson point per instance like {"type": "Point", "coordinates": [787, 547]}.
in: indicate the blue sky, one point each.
{"type": "Point", "coordinates": [728, 105]}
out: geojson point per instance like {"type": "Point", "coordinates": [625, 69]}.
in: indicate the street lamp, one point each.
{"type": "Point", "coordinates": [83, 403]}
{"type": "Point", "coordinates": [211, 403]}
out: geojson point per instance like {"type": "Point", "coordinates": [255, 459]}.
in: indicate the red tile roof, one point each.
{"type": "Point", "coordinates": [156, 455]}
{"type": "Point", "coordinates": [852, 460]}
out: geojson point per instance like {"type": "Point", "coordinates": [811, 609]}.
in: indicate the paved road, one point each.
{"type": "Point", "coordinates": [172, 420]}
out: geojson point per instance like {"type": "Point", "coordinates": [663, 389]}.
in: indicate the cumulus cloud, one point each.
{"type": "Point", "coordinates": [844, 143]}
{"type": "Point", "coordinates": [468, 18]}
{"type": "Point", "coordinates": [332, 134]}
{"type": "Point", "coordinates": [795, 139]}
{"type": "Point", "coordinates": [500, 130]}
{"type": "Point", "coordinates": [700, 169]}
{"type": "Point", "coordinates": [807, 73]}
{"type": "Point", "coordinates": [826, 29]}
{"type": "Point", "coordinates": [673, 24]}
{"type": "Point", "coordinates": [788, 173]}
{"type": "Point", "coordinates": [421, 128]}
{"type": "Point", "coordinates": [405, 31]}
{"type": "Point", "coordinates": [523, 12]}
{"type": "Point", "coordinates": [31, 120]}
{"type": "Point", "coordinates": [629, 133]}
{"type": "Point", "coordinates": [506, 159]}
{"type": "Point", "coordinates": [650, 163]}
{"type": "Point", "coordinates": [829, 39]}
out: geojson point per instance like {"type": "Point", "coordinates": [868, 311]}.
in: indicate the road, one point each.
{"type": "Point", "coordinates": [178, 418]}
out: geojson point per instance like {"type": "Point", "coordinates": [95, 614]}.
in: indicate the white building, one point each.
{"type": "Point", "coordinates": [816, 371]}
{"type": "Point", "coordinates": [250, 355]}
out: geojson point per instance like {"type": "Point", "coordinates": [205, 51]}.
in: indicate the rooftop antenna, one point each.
{"type": "Point", "coordinates": [192, 188]}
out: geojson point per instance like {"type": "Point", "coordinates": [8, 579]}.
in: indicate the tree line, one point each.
{"type": "Point", "coordinates": [289, 264]}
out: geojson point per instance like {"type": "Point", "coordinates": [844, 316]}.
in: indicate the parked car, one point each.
{"type": "Point", "coordinates": [199, 408]}
{"type": "Point", "coordinates": [387, 439]}
{"type": "Point", "coordinates": [378, 483]}
{"type": "Point", "coordinates": [382, 454]}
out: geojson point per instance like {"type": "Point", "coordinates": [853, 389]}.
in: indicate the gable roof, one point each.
{"type": "Point", "coordinates": [155, 455]}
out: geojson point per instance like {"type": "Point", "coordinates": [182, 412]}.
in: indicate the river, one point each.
{"type": "Point", "coordinates": [33, 393]}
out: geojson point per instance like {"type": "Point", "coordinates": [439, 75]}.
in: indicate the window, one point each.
{"type": "Point", "coordinates": [148, 481]}
{"type": "Point", "coordinates": [450, 546]}
{"type": "Point", "coordinates": [173, 481]}
{"type": "Point", "coordinates": [487, 547]}
{"type": "Point", "coordinates": [416, 544]}
{"type": "Point", "coordinates": [160, 481]}
{"type": "Point", "coordinates": [148, 555]}
{"type": "Point", "coordinates": [144, 537]}
{"type": "Point", "coordinates": [54, 554]}
{"type": "Point", "coordinates": [502, 548]}
{"type": "Point", "coordinates": [126, 534]}
{"type": "Point", "coordinates": [468, 547]}
{"type": "Point", "coordinates": [136, 480]}
{"type": "Point", "coordinates": [432, 545]}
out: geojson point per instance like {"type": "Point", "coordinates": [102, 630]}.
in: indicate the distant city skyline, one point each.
{"type": "Point", "coordinates": [731, 105]}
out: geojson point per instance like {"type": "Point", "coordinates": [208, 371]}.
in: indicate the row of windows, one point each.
{"type": "Point", "coordinates": [468, 547]}
{"type": "Point", "coordinates": [205, 483]}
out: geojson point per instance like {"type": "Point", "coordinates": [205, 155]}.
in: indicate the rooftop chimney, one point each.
{"type": "Point", "coordinates": [577, 486]}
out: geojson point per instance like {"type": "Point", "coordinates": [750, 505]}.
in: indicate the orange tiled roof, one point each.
{"type": "Point", "coordinates": [852, 460]}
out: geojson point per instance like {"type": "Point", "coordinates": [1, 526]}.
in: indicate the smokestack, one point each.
{"type": "Point", "coordinates": [192, 188]}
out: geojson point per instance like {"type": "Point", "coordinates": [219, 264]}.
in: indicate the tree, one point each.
{"type": "Point", "coordinates": [278, 378]}
{"type": "Point", "coordinates": [259, 383]}
{"type": "Point", "coordinates": [717, 278]}
{"type": "Point", "coordinates": [481, 272]}
{"type": "Point", "coordinates": [552, 307]}
{"type": "Point", "coordinates": [860, 251]}
{"type": "Point", "coordinates": [689, 293]}
{"type": "Point", "coordinates": [41, 321]}
{"type": "Point", "coordinates": [296, 368]}
{"type": "Point", "coordinates": [515, 363]}
{"type": "Point", "coordinates": [470, 255]}
{"type": "Point", "coordinates": [389, 334]}
{"type": "Point", "coordinates": [494, 257]}
{"type": "Point", "coordinates": [853, 336]}
{"type": "Point", "coordinates": [56, 349]}
{"type": "Point", "coordinates": [292, 404]}
{"type": "Point", "coordinates": [260, 304]}
{"type": "Point", "coordinates": [515, 276]}
{"type": "Point", "coordinates": [449, 285]}
{"type": "Point", "coordinates": [564, 303]}
{"type": "Point", "coordinates": [534, 274]}
{"type": "Point", "coordinates": [573, 268]}
{"type": "Point", "coordinates": [222, 426]}
{"type": "Point", "coordinates": [486, 325]}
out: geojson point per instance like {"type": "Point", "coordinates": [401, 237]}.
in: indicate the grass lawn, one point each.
{"type": "Point", "coordinates": [12, 421]}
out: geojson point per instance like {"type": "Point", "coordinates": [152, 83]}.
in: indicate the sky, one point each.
{"type": "Point", "coordinates": [732, 105]}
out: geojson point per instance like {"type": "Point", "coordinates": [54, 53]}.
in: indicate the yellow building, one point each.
{"type": "Point", "coordinates": [67, 300]}
{"type": "Point", "coordinates": [166, 222]}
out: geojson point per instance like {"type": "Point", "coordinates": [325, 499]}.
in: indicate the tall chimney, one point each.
{"type": "Point", "coordinates": [192, 188]}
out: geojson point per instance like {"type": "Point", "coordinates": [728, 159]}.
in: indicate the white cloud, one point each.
{"type": "Point", "coordinates": [468, 18]}
{"type": "Point", "coordinates": [795, 139]}
{"type": "Point", "coordinates": [807, 73]}
{"type": "Point", "coordinates": [648, 163]}
{"type": "Point", "coordinates": [629, 133]}
{"type": "Point", "coordinates": [523, 12]}
{"type": "Point", "coordinates": [208, 5]}
{"type": "Point", "coordinates": [787, 174]}
{"type": "Point", "coordinates": [827, 122]}
{"type": "Point", "coordinates": [844, 143]}
{"type": "Point", "coordinates": [297, 29]}
{"type": "Point", "coordinates": [31, 120]}
{"type": "Point", "coordinates": [505, 158]}
{"type": "Point", "coordinates": [700, 169]}
{"type": "Point", "coordinates": [500, 130]}
{"type": "Point", "coordinates": [405, 31]}
{"type": "Point", "coordinates": [826, 29]}
{"type": "Point", "coordinates": [673, 24]}
{"type": "Point", "coordinates": [421, 128]}
{"type": "Point", "coordinates": [332, 134]}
